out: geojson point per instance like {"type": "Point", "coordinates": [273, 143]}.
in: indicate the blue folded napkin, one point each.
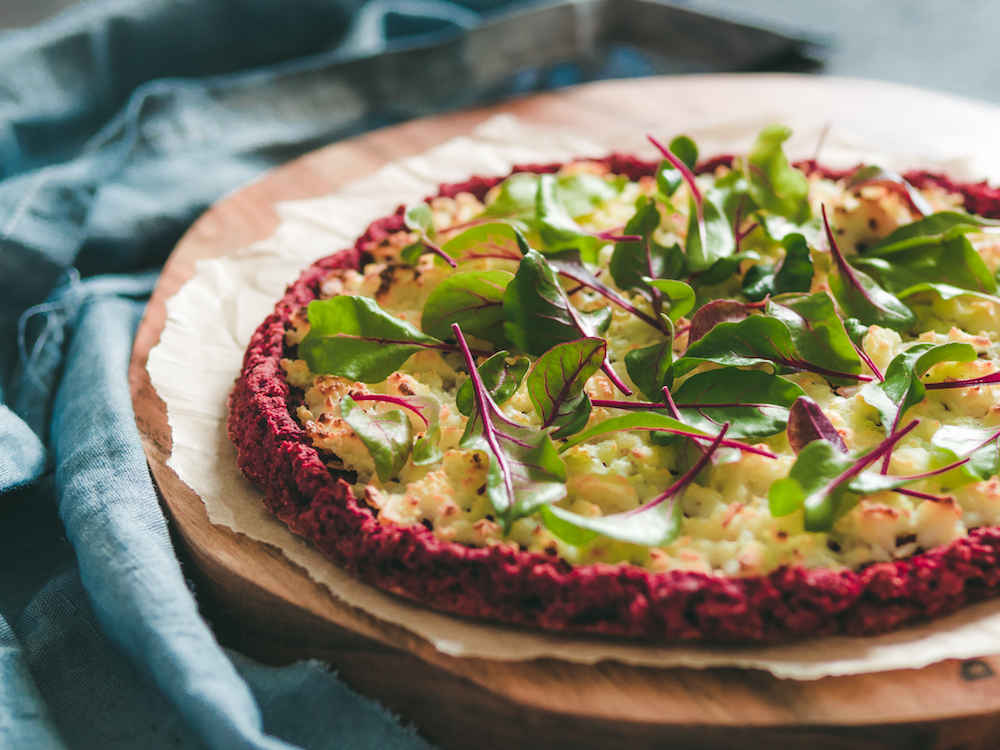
{"type": "Point", "coordinates": [120, 122]}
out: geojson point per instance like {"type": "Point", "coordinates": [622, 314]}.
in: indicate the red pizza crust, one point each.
{"type": "Point", "coordinates": [532, 589]}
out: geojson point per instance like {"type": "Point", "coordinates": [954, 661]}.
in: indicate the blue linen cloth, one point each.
{"type": "Point", "coordinates": [120, 122]}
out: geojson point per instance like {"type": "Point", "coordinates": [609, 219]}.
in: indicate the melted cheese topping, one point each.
{"type": "Point", "coordinates": [727, 525]}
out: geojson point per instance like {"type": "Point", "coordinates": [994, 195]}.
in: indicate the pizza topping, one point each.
{"type": "Point", "coordinates": [812, 409]}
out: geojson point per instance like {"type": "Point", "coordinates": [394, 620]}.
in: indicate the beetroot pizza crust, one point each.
{"type": "Point", "coordinates": [526, 588]}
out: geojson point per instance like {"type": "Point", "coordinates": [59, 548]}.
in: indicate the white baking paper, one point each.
{"type": "Point", "coordinates": [211, 319]}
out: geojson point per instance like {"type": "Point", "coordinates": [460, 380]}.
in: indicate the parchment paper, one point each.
{"type": "Point", "coordinates": [211, 319]}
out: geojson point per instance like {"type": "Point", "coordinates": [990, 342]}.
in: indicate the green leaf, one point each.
{"type": "Point", "coordinates": [723, 268]}
{"type": "Point", "coordinates": [500, 378]}
{"type": "Point", "coordinates": [816, 483]}
{"type": "Point", "coordinates": [795, 271]}
{"type": "Point", "coordinates": [668, 177]}
{"type": "Point", "coordinates": [354, 338]}
{"type": "Point", "coordinates": [649, 368]}
{"type": "Point", "coordinates": [638, 420]}
{"type": "Point", "coordinates": [709, 236]}
{"type": "Point", "coordinates": [474, 300]}
{"type": "Point", "coordinates": [655, 527]}
{"type": "Point", "coordinates": [493, 240]}
{"type": "Point", "coordinates": [388, 437]}
{"type": "Point", "coordinates": [951, 267]}
{"type": "Point", "coordinates": [632, 262]}
{"type": "Point", "coordinates": [817, 333]}
{"type": "Point", "coordinates": [678, 296]}
{"type": "Point", "coordinates": [556, 227]}
{"type": "Point", "coordinates": [685, 149]}
{"type": "Point", "coordinates": [902, 387]}
{"type": "Point", "coordinates": [538, 313]}
{"type": "Point", "coordinates": [754, 402]}
{"type": "Point", "coordinates": [525, 471]}
{"type": "Point", "coordinates": [775, 185]}
{"type": "Point", "coordinates": [515, 201]}
{"type": "Point", "coordinates": [425, 449]}
{"type": "Point", "coordinates": [420, 219]}
{"type": "Point", "coordinates": [758, 282]}
{"type": "Point", "coordinates": [978, 444]}
{"type": "Point", "coordinates": [581, 193]}
{"type": "Point", "coordinates": [751, 341]}
{"type": "Point", "coordinates": [936, 228]}
{"type": "Point", "coordinates": [555, 384]}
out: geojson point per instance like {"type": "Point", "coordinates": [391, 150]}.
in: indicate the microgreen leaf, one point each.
{"type": "Point", "coordinates": [525, 471]}
{"type": "Point", "coordinates": [539, 315]}
{"type": "Point", "coordinates": [723, 268]}
{"type": "Point", "coordinates": [567, 264]}
{"type": "Point", "coordinates": [870, 482]}
{"type": "Point", "coordinates": [556, 227]}
{"type": "Point", "coordinates": [500, 379]}
{"type": "Point", "coordinates": [581, 193]}
{"type": "Point", "coordinates": [514, 200]}
{"type": "Point", "coordinates": [638, 420]}
{"type": "Point", "coordinates": [818, 334]}
{"type": "Point", "coordinates": [938, 227]}
{"type": "Point", "coordinates": [775, 185]}
{"type": "Point", "coordinates": [388, 437]}
{"type": "Point", "coordinates": [425, 449]}
{"type": "Point", "coordinates": [493, 240]}
{"type": "Point", "coordinates": [902, 387]}
{"type": "Point", "coordinates": [759, 339]}
{"type": "Point", "coordinates": [819, 478]}
{"type": "Point", "coordinates": [807, 422]}
{"type": "Point", "coordinates": [978, 444]}
{"type": "Point", "coordinates": [678, 296]}
{"type": "Point", "coordinates": [710, 315]}
{"type": "Point", "coordinates": [474, 300]}
{"type": "Point", "coordinates": [653, 524]}
{"type": "Point", "coordinates": [355, 338]}
{"type": "Point", "coordinates": [950, 267]}
{"type": "Point", "coordinates": [794, 273]}
{"type": "Point", "coordinates": [860, 296]}
{"type": "Point", "coordinates": [755, 403]}
{"type": "Point", "coordinates": [649, 368]}
{"type": "Point", "coordinates": [420, 219]}
{"type": "Point", "coordinates": [709, 236]}
{"type": "Point", "coordinates": [668, 177]}
{"type": "Point", "coordinates": [555, 384]}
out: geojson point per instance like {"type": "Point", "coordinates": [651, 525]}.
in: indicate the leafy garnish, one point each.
{"type": "Point", "coordinates": [950, 267]}
{"type": "Point", "coordinates": [474, 300]}
{"type": "Point", "coordinates": [388, 437]}
{"type": "Point", "coordinates": [651, 421]}
{"type": "Point", "coordinates": [715, 312]}
{"type": "Point", "coordinates": [678, 297]}
{"type": "Point", "coordinates": [500, 379]}
{"type": "Point", "coordinates": [818, 333]}
{"type": "Point", "coordinates": [794, 273]}
{"type": "Point", "coordinates": [632, 262]}
{"type": "Point", "coordinates": [807, 422]}
{"type": "Point", "coordinates": [492, 240]}
{"type": "Point", "coordinates": [978, 444]}
{"type": "Point", "coordinates": [775, 185]}
{"type": "Point", "coordinates": [723, 268]}
{"type": "Point", "coordinates": [937, 227]}
{"type": "Point", "coordinates": [802, 335]}
{"type": "Point", "coordinates": [754, 403]}
{"type": "Point", "coordinates": [555, 384]}
{"type": "Point", "coordinates": [860, 297]}
{"type": "Point", "coordinates": [568, 264]}
{"type": "Point", "coordinates": [649, 368]}
{"type": "Point", "coordinates": [556, 227]}
{"type": "Point", "coordinates": [525, 471]}
{"type": "Point", "coordinates": [902, 387]}
{"type": "Point", "coordinates": [425, 449]}
{"type": "Point", "coordinates": [514, 201]}
{"type": "Point", "coordinates": [420, 219]}
{"type": "Point", "coordinates": [819, 479]}
{"type": "Point", "coordinates": [539, 315]}
{"type": "Point", "coordinates": [355, 338]}
{"type": "Point", "coordinates": [653, 524]}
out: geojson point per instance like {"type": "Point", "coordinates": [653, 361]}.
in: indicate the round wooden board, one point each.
{"type": "Point", "coordinates": [263, 605]}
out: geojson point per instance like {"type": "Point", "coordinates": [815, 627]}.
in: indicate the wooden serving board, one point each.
{"type": "Point", "coordinates": [263, 605]}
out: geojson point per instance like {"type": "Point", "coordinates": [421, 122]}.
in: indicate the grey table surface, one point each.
{"type": "Point", "coordinates": [946, 46]}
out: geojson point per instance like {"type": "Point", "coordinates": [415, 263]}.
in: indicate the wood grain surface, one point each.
{"type": "Point", "coordinates": [263, 605]}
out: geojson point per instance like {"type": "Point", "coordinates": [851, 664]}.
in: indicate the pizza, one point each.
{"type": "Point", "coordinates": [731, 399]}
